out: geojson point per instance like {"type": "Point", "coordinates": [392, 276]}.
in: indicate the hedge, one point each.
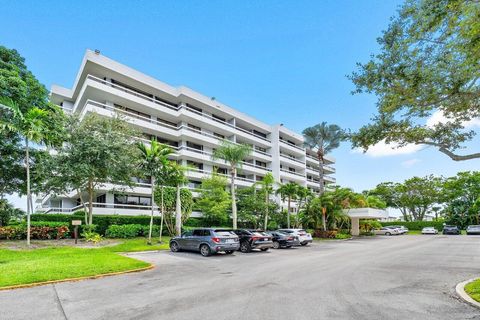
{"type": "Point", "coordinates": [415, 225]}
{"type": "Point", "coordinates": [38, 230]}
{"type": "Point", "coordinates": [131, 231]}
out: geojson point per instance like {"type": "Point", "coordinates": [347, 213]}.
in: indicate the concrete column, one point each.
{"type": "Point", "coordinates": [355, 228]}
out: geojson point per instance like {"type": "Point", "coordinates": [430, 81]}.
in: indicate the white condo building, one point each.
{"type": "Point", "coordinates": [191, 123]}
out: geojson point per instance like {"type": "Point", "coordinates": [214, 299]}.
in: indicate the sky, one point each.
{"type": "Point", "coordinates": [278, 61]}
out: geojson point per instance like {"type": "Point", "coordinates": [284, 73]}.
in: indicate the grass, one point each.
{"type": "Point", "coordinates": [139, 244]}
{"type": "Point", "coordinates": [473, 290]}
{"type": "Point", "coordinates": [26, 266]}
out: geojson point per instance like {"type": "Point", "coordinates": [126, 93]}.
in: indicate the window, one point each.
{"type": "Point", "coordinates": [197, 165]}
{"type": "Point", "coordinates": [194, 184]}
{"type": "Point", "coordinates": [132, 111]}
{"type": "Point", "coordinates": [168, 123]}
{"type": "Point", "coordinates": [191, 126]}
{"type": "Point", "coordinates": [194, 108]}
{"type": "Point", "coordinates": [201, 233]}
{"type": "Point", "coordinates": [132, 88]}
{"type": "Point", "coordinates": [131, 200]}
{"type": "Point", "coordinates": [194, 145]}
{"type": "Point", "coordinates": [260, 149]}
{"type": "Point", "coordinates": [166, 102]}
{"type": "Point", "coordinates": [215, 117]}
{"type": "Point", "coordinates": [218, 135]}
{"type": "Point", "coordinates": [261, 163]}
{"type": "Point", "coordinates": [291, 169]}
{"type": "Point", "coordinates": [102, 198]}
{"type": "Point", "coordinates": [258, 133]}
{"type": "Point", "coordinates": [220, 170]}
{"type": "Point", "coordinates": [291, 142]}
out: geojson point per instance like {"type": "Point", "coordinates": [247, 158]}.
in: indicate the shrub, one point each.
{"type": "Point", "coordinates": [91, 236]}
{"type": "Point", "coordinates": [38, 231]}
{"type": "Point", "coordinates": [342, 236]}
{"type": "Point", "coordinates": [415, 225]}
{"type": "Point", "coordinates": [131, 231]}
{"type": "Point", "coordinates": [329, 234]}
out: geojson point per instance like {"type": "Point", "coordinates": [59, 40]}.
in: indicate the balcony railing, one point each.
{"type": "Point", "coordinates": [176, 108]}
{"type": "Point", "coordinates": [292, 145]}
{"type": "Point", "coordinates": [291, 158]}
{"type": "Point", "coordinates": [294, 173]}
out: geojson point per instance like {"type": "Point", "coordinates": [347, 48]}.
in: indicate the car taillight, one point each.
{"type": "Point", "coordinates": [290, 238]}
{"type": "Point", "coordinates": [216, 240]}
{"type": "Point", "coordinates": [255, 238]}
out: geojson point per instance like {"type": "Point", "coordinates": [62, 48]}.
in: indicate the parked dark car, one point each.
{"type": "Point", "coordinates": [251, 239]}
{"type": "Point", "coordinates": [207, 241]}
{"type": "Point", "coordinates": [451, 230]}
{"type": "Point", "coordinates": [473, 229]}
{"type": "Point", "coordinates": [281, 239]}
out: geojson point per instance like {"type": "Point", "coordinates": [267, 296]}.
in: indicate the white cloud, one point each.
{"type": "Point", "coordinates": [383, 149]}
{"type": "Point", "coordinates": [439, 117]}
{"type": "Point", "coordinates": [410, 163]}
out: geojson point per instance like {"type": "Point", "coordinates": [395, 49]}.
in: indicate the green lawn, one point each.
{"type": "Point", "coordinates": [139, 244]}
{"type": "Point", "coordinates": [25, 266]}
{"type": "Point", "coordinates": [473, 289]}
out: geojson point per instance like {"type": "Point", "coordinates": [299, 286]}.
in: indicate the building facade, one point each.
{"type": "Point", "coordinates": [191, 123]}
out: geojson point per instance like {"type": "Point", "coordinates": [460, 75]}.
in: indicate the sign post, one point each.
{"type": "Point", "coordinates": [76, 223]}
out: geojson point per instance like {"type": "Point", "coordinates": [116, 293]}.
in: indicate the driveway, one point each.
{"type": "Point", "coordinates": [403, 277]}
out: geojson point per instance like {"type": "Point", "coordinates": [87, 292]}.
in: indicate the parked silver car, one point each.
{"type": "Point", "coordinates": [402, 229]}
{"type": "Point", "coordinates": [387, 231]}
{"type": "Point", "coordinates": [429, 230]}
{"type": "Point", "coordinates": [206, 241]}
{"type": "Point", "coordinates": [473, 229]}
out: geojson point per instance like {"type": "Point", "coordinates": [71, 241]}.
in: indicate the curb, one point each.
{"type": "Point", "coordinates": [460, 289]}
{"type": "Point", "coordinates": [98, 276]}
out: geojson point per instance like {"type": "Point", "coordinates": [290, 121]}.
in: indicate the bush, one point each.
{"type": "Point", "coordinates": [342, 236]}
{"type": "Point", "coordinates": [131, 231]}
{"type": "Point", "coordinates": [415, 225]}
{"type": "Point", "coordinates": [104, 221]}
{"type": "Point", "coordinates": [329, 234]}
{"type": "Point", "coordinates": [38, 230]}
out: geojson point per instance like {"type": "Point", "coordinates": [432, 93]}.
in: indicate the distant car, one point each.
{"type": "Point", "coordinates": [451, 230]}
{"type": "Point", "coordinates": [281, 239]}
{"type": "Point", "coordinates": [402, 229]}
{"type": "Point", "coordinates": [429, 230]}
{"type": "Point", "coordinates": [206, 241]}
{"type": "Point", "coordinates": [387, 231]}
{"type": "Point", "coordinates": [302, 235]}
{"type": "Point", "coordinates": [251, 239]}
{"type": "Point", "coordinates": [473, 229]}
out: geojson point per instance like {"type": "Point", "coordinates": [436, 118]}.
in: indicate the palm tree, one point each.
{"type": "Point", "coordinates": [233, 154]}
{"type": "Point", "coordinates": [266, 186]}
{"type": "Point", "coordinates": [152, 159]}
{"type": "Point", "coordinates": [32, 126]}
{"type": "Point", "coordinates": [176, 177]}
{"type": "Point", "coordinates": [303, 194]}
{"type": "Point", "coordinates": [288, 191]}
{"type": "Point", "coordinates": [324, 138]}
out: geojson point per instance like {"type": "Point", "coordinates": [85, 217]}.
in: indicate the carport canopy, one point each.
{"type": "Point", "coordinates": [363, 213]}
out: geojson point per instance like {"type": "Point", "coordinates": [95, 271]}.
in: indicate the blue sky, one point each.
{"type": "Point", "coordinates": [279, 61]}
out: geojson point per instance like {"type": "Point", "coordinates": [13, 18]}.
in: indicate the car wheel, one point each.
{"type": "Point", "coordinates": [264, 249]}
{"type": "Point", "coordinates": [276, 244]}
{"type": "Point", "coordinates": [174, 247]}
{"type": "Point", "coordinates": [388, 234]}
{"type": "Point", "coordinates": [245, 247]}
{"type": "Point", "coordinates": [288, 247]}
{"type": "Point", "coordinates": [205, 250]}
{"type": "Point", "coordinates": [304, 243]}
{"type": "Point", "coordinates": [229, 252]}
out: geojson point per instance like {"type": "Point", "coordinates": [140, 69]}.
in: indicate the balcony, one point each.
{"type": "Point", "coordinates": [172, 106]}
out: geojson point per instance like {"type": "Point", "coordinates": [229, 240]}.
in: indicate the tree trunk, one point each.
{"type": "Point", "coordinates": [90, 201]}
{"type": "Point", "coordinates": [82, 203]}
{"type": "Point", "coordinates": [178, 214]}
{"type": "Point", "coordinates": [161, 212]}
{"type": "Point", "coordinates": [151, 215]}
{"type": "Point", "coordinates": [234, 200]}
{"type": "Point", "coordinates": [266, 211]}
{"type": "Point", "coordinates": [320, 172]}
{"type": "Point", "coordinates": [27, 164]}
{"type": "Point", "coordinates": [288, 213]}
{"type": "Point", "coordinates": [324, 221]}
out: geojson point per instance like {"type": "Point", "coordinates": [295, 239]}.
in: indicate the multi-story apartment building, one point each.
{"type": "Point", "coordinates": [191, 123]}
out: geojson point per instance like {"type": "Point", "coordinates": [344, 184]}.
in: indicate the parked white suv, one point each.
{"type": "Point", "coordinates": [301, 235]}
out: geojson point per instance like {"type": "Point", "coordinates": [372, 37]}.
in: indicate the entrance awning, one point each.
{"type": "Point", "coordinates": [363, 213]}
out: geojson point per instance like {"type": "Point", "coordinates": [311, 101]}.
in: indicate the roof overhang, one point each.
{"type": "Point", "coordinates": [366, 213]}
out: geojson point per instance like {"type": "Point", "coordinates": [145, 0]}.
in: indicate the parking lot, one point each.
{"type": "Point", "coordinates": [402, 277]}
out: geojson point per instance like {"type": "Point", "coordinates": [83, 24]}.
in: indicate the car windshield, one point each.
{"type": "Point", "coordinates": [474, 226]}
{"type": "Point", "coordinates": [257, 234]}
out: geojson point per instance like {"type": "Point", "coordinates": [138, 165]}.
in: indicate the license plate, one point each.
{"type": "Point", "coordinates": [230, 241]}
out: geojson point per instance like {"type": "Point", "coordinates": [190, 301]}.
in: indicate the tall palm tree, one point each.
{"type": "Point", "coordinates": [177, 177]}
{"type": "Point", "coordinates": [288, 191]}
{"type": "Point", "coordinates": [324, 138]}
{"type": "Point", "coordinates": [32, 126]}
{"type": "Point", "coordinates": [152, 159]}
{"type": "Point", "coordinates": [233, 154]}
{"type": "Point", "coordinates": [303, 194]}
{"type": "Point", "coordinates": [266, 186]}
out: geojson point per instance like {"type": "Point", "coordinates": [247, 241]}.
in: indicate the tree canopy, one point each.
{"type": "Point", "coordinates": [428, 65]}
